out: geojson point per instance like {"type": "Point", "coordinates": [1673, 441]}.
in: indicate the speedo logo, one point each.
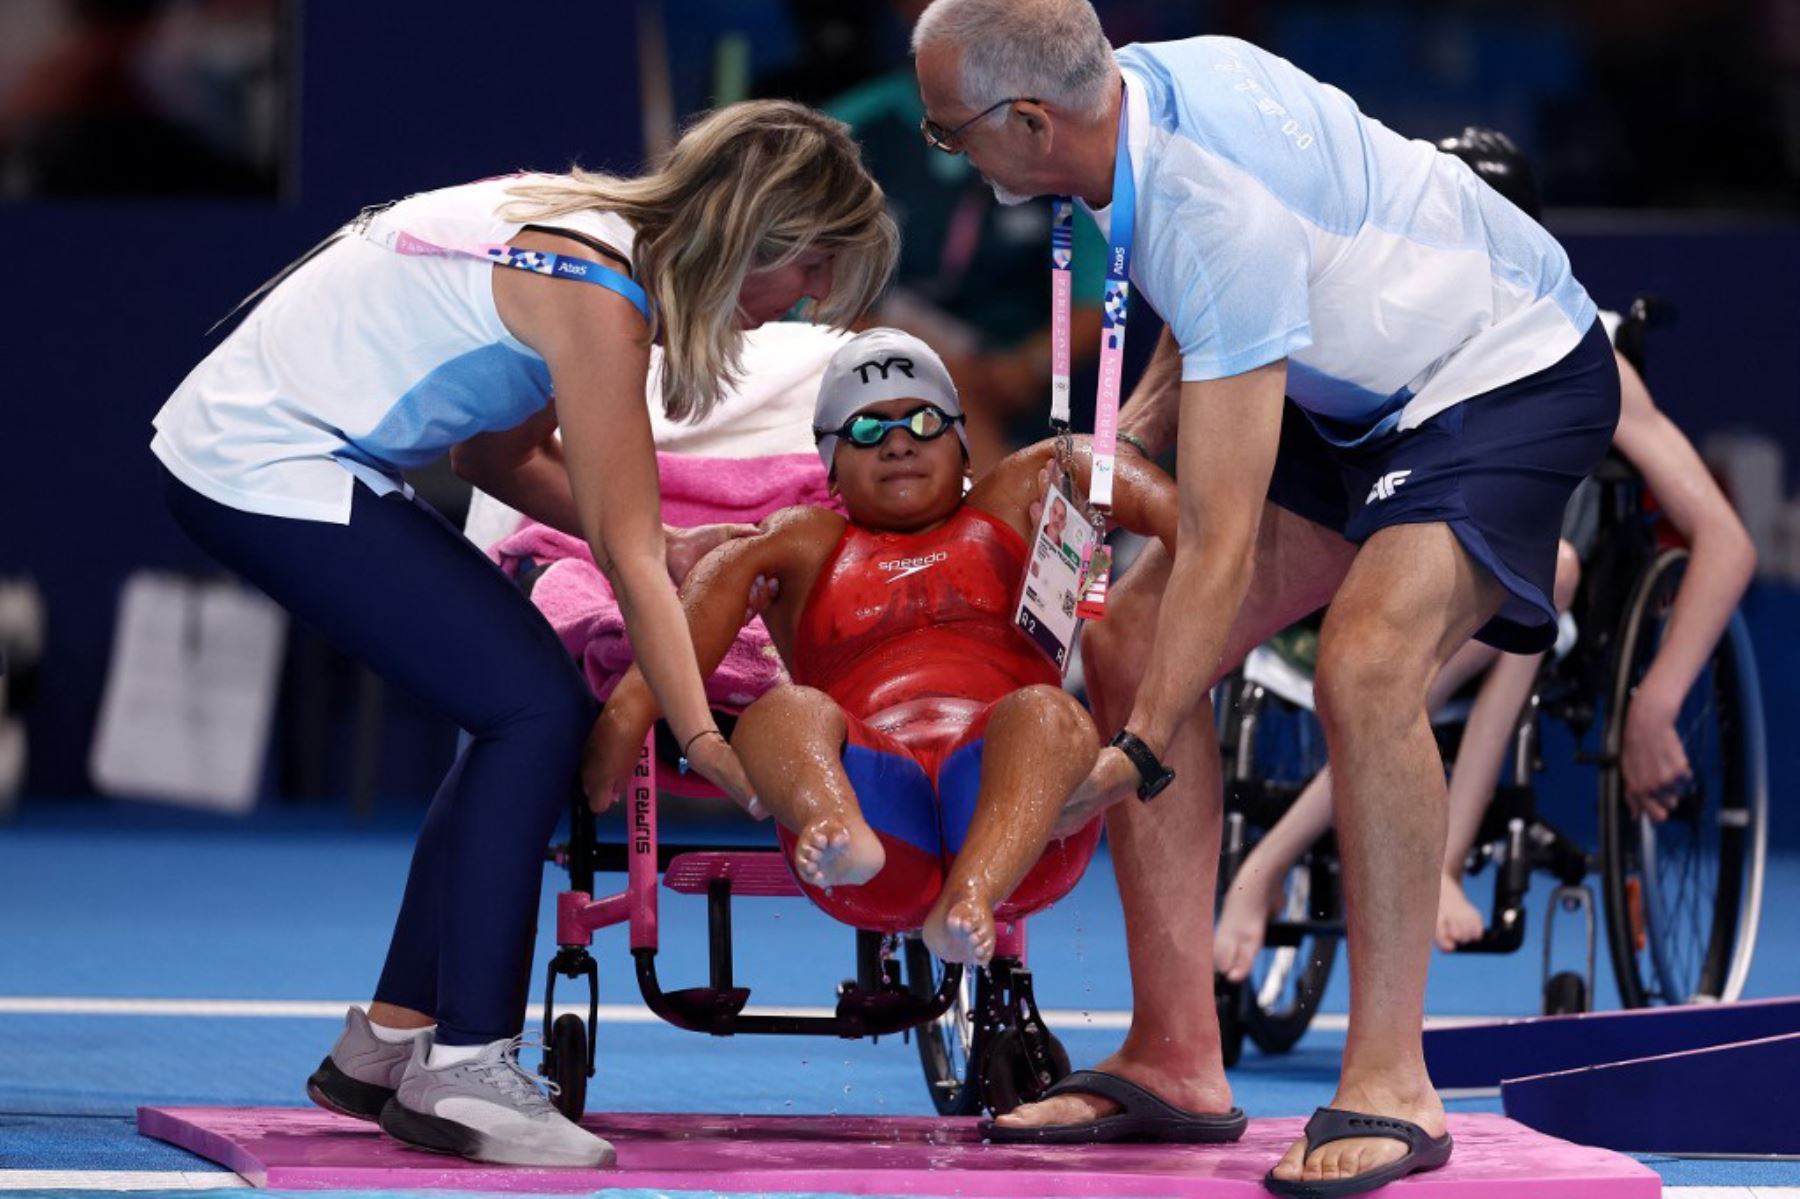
{"type": "Point", "coordinates": [902, 567]}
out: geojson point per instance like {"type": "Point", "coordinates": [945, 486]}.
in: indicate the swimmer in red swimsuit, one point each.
{"type": "Point", "coordinates": [919, 761]}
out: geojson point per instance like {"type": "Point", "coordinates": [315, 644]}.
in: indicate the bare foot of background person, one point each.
{"type": "Point", "coordinates": [1458, 921]}
{"type": "Point", "coordinates": [831, 852]}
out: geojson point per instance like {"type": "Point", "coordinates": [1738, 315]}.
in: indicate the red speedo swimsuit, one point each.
{"type": "Point", "coordinates": [897, 618]}
{"type": "Point", "coordinates": [912, 635]}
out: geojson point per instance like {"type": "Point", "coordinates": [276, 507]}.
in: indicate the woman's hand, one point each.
{"type": "Point", "coordinates": [685, 547]}
{"type": "Point", "coordinates": [1654, 762]}
{"type": "Point", "coordinates": [713, 757]}
{"type": "Point", "coordinates": [1113, 777]}
{"type": "Point", "coordinates": [611, 754]}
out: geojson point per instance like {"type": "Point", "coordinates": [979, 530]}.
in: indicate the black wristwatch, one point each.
{"type": "Point", "coordinates": [1153, 776]}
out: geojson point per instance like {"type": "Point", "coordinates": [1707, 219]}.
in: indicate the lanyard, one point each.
{"type": "Point", "coordinates": [1112, 320]}
{"type": "Point", "coordinates": [538, 262]}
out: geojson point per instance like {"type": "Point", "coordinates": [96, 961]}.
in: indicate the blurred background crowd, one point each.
{"type": "Point", "coordinates": [160, 157]}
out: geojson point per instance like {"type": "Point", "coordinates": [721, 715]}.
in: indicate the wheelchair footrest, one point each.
{"type": "Point", "coordinates": [753, 872]}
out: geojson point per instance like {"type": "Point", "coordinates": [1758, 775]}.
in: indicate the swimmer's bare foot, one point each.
{"type": "Point", "coordinates": [1459, 921]}
{"type": "Point", "coordinates": [960, 930]}
{"type": "Point", "coordinates": [1243, 922]}
{"type": "Point", "coordinates": [830, 852]}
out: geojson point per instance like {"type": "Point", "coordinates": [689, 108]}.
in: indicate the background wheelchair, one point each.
{"type": "Point", "coordinates": [981, 1041]}
{"type": "Point", "coordinates": [1682, 898]}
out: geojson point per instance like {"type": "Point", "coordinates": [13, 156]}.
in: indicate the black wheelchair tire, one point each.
{"type": "Point", "coordinates": [566, 1064]}
{"type": "Point", "coordinates": [1565, 993]}
{"type": "Point", "coordinates": [942, 1042]}
{"type": "Point", "coordinates": [1278, 1029]}
{"type": "Point", "coordinates": [1635, 941]}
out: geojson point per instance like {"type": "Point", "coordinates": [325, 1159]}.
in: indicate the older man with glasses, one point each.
{"type": "Point", "coordinates": [1382, 383]}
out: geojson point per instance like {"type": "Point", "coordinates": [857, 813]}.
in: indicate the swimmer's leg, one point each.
{"type": "Point", "coordinates": [1038, 745]}
{"type": "Point", "coordinates": [790, 742]}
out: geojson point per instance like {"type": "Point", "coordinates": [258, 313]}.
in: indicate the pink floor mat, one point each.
{"type": "Point", "coordinates": [307, 1149]}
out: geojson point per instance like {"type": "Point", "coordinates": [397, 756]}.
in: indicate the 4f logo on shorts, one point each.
{"type": "Point", "coordinates": [1387, 485]}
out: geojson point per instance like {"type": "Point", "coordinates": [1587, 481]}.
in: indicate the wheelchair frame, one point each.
{"type": "Point", "coordinates": [1011, 1056]}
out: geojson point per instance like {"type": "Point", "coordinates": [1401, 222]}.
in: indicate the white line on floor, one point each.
{"type": "Point", "coordinates": [119, 1180]}
{"type": "Point", "coordinates": [612, 1013]}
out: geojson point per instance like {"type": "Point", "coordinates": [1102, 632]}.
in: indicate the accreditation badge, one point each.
{"type": "Point", "coordinates": [1049, 601]}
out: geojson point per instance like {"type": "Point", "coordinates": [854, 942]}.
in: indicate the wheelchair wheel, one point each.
{"type": "Point", "coordinates": [1565, 994]}
{"type": "Point", "coordinates": [566, 1064]}
{"type": "Point", "coordinates": [1277, 747]}
{"type": "Point", "coordinates": [1282, 994]}
{"type": "Point", "coordinates": [1008, 1077]}
{"type": "Point", "coordinates": [945, 1044]}
{"type": "Point", "coordinates": [1683, 897]}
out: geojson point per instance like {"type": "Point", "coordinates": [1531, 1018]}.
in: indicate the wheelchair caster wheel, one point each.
{"type": "Point", "coordinates": [566, 1064]}
{"type": "Point", "coordinates": [1009, 1077]}
{"type": "Point", "coordinates": [1565, 994]}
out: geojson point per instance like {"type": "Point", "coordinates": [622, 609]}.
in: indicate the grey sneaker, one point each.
{"type": "Point", "coordinates": [359, 1075]}
{"type": "Point", "coordinates": [488, 1109]}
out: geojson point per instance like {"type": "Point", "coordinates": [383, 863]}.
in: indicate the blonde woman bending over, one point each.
{"type": "Point", "coordinates": [446, 322]}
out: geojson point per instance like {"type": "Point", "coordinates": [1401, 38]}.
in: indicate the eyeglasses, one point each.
{"type": "Point", "coordinates": [939, 138]}
{"type": "Point", "coordinates": [866, 430]}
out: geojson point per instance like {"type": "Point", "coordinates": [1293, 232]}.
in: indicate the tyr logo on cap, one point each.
{"type": "Point", "coordinates": [904, 364]}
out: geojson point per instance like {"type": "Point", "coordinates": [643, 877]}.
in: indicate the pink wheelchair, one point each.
{"type": "Point", "coordinates": [982, 1042]}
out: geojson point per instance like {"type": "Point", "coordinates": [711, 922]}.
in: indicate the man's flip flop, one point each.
{"type": "Point", "coordinates": [1328, 1124]}
{"type": "Point", "coordinates": [1142, 1116]}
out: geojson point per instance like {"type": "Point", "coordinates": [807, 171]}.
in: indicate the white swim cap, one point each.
{"type": "Point", "coordinates": [877, 365]}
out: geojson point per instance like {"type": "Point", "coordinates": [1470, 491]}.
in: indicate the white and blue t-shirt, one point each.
{"type": "Point", "coordinates": [1275, 220]}
{"type": "Point", "coordinates": [363, 363]}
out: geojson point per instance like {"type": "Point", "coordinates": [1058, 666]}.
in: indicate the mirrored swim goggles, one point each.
{"type": "Point", "coordinates": [865, 430]}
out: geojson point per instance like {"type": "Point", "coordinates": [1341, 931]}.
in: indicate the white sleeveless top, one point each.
{"type": "Point", "coordinates": [363, 363]}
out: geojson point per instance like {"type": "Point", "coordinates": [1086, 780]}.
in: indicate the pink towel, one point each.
{"type": "Point", "coordinates": [579, 603]}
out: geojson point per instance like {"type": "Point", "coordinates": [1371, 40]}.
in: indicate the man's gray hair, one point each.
{"type": "Point", "coordinates": [1049, 50]}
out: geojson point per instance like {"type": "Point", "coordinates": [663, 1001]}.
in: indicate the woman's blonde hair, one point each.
{"type": "Point", "coordinates": [748, 187]}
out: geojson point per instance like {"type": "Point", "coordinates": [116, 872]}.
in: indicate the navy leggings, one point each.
{"type": "Point", "coordinates": [405, 593]}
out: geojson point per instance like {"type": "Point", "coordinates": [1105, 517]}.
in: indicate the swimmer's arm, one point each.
{"type": "Point", "coordinates": [1145, 499]}
{"type": "Point", "coordinates": [1724, 558]}
{"type": "Point", "coordinates": [787, 549]}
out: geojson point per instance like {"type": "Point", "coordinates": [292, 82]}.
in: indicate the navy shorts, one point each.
{"type": "Point", "coordinates": [1497, 468]}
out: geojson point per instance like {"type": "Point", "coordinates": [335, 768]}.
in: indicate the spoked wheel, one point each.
{"type": "Point", "coordinates": [1684, 896]}
{"type": "Point", "coordinates": [1282, 994]}
{"type": "Point", "coordinates": [1277, 748]}
{"type": "Point", "coordinates": [946, 1044]}
{"type": "Point", "coordinates": [1013, 1074]}
{"type": "Point", "coordinates": [566, 1064]}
